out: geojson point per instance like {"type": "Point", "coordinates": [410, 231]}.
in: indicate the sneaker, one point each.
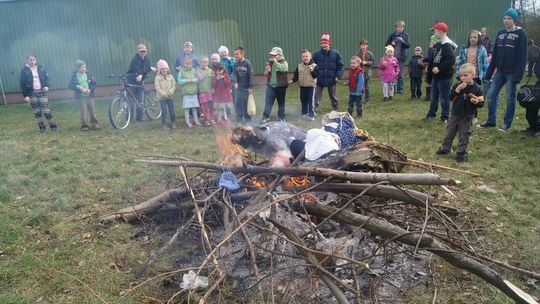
{"type": "Point", "coordinates": [485, 125]}
{"type": "Point", "coordinates": [504, 128]}
{"type": "Point", "coordinates": [443, 121]}
{"type": "Point", "coordinates": [385, 99]}
{"type": "Point", "coordinates": [335, 106]}
{"type": "Point", "coordinates": [189, 126]}
{"type": "Point", "coordinates": [173, 125]}
{"type": "Point", "coordinates": [390, 97]}
{"type": "Point", "coordinates": [198, 123]}
{"type": "Point", "coordinates": [95, 127]}
{"type": "Point", "coordinates": [53, 127]}
{"type": "Point", "coordinates": [440, 151]}
{"type": "Point", "coordinates": [350, 110]}
{"type": "Point", "coordinates": [282, 120]}
{"type": "Point", "coordinates": [84, 129]}
{"type": "Point", "coordinates": [164, 127]}
{"type": "Point", "coordinates": [358, 114]}
{"type": "Point", "coordinates": [311, 118]}
{"type": "Point", "coordinates": [461, 158]}
{"type": "Point", "coordinates": [265, 120]}
{"type": "Point", "coordinates": [428, 118]}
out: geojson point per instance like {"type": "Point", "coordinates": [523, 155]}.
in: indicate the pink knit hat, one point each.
{"type": "Point", "coordinates": [162, 64]}
{"type": "Point", "coordinates": [326, 38]}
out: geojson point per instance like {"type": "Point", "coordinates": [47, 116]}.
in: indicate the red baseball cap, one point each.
{"type": "Point", "coordinates": [441, 26]}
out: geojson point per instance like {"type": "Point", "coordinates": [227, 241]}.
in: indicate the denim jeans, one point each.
{"type": "Point", "coordinates": [497, 82]}
{"type": "Point", "coordinates": [271, 95]}
{"type": "Point", "coordinates": [400, 77]}
{"type": "Point", "coordinates": [366, 88]}
{"type": "Point", "coordinates": [167, 105]}
{"type": "Point", "coordinates": [355, 100]}
{"type": "Point", "coordinates": [439, 87]}
{"type": "Point", "coordinates": [306, 98]}
{"type": "Point", "coordinates": [240, 105]}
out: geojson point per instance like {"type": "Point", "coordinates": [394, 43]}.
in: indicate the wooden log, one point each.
{"type": "Point", "coordinates": [358, 177]}
{"type": "Point", "coordinates": [395, 233]}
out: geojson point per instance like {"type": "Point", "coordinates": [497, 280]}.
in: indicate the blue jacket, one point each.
{"type": "Point", "coordinates": [330, 66]}
{"type": "Point", "coordinates": [400, 49]}
{"type": "Point", "coordinates": [27, 80]}
{"type": "Point", "coordinates": [481, 60]}
{"type": "Point", "coordinates": [415, 69]}
{"type": "Point", "coordinates": [509, 54]}
{"type": "Point", "coordinates": [180, 60]}
{"type": "Point", "coordinates": [91, 84]}
{"type": "Point", "coordinates": [229, 65]}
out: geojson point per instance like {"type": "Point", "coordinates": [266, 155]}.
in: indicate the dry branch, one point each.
{"type": "Point", "coordinates": [389, 231]}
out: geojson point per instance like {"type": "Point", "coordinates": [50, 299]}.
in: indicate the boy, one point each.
{"type": "Point", "coordinates": [330, 65]}
{"type": "Point", "coordinates": [440, 71]}
{"type": "Point", "coordinates": [416, 69]}
{"type": "Point", "coordinates": [84, 85]}
{"type": "Point", "coordinates": [243, 83]}
{"type": "Point", "coordinates": [306, 75]}
{"type": "Point", "coordinates": [366, 62]}
{"type": "Point", "coordinates": [400, 41]}
{"type": "Point", "coordinates": [466, 97]}
{"type": "Point", "coordinates": [356, 86]}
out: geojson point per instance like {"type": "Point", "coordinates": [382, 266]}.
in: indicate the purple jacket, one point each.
{"type": "Point", "coordinates": [390, 70]}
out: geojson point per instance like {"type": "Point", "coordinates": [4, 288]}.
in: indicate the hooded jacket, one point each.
{"type": "Point", "coordinates": [509, 54]}
{"type": "Point", "coordinates": [444, 59]}
{"type": "Point", "coordinates": [27, 80]}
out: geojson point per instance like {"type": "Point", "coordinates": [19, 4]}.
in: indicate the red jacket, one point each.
{"type": "Point", "coordinates": [222, 87]}
{"type": "Point", "coordinates": [353, 79]}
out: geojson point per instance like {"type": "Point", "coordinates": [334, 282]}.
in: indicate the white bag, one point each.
{"type": "Point", "coordinates": [319, 142]}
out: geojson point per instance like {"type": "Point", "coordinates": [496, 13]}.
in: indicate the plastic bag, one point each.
{"type": "Point", "coordinates": [228, 180]}
{"type": "Point", "coordinates": [192, 281]}
{"type": "Point", "coordinates": [251, 108]}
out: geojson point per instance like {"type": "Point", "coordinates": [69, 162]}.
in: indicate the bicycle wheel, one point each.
{"type": "Point", "coordinates": [119, 113]}
{"type": "Point", "coordinates": [151, 105]}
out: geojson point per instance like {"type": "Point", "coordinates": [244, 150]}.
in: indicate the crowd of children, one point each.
{"type": "Point", "coordinates": [210, 89]}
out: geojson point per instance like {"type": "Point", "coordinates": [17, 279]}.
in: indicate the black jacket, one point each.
{"type": "Point", "coordinates": [138, 67]}
{"type": "Point", "coordinates": [444, 59]}
{"type": "Point", "coordinates": [461, 103]}
{"type": "Point", "coordinates": [91, 84]}
{"type": "Point", "coordinates": [27, 80]}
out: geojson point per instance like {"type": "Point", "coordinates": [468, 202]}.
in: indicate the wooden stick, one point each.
{"type": "Point", "coordinates": [359, 177]}
{"type": "Point", "coordinates": [414, 161]}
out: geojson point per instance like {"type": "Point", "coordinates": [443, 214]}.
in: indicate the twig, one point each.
{"type": "Point", "coordinates": [431, 165]}
{"type": "Point", "coordinates": [78, 280]}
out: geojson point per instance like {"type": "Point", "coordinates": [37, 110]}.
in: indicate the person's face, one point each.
{"type": "Point", "coordinates": [31, 61]}
{"type": "Point", "coordinates": [306, 57]}
{"type": "Point", "coordinates": [224, 54]}
{"type": "Point", "coordinates": [82, 69]}
{"type": "Point", "coordinates": [142, 53]}
{"type": "Point", "coordinates": [204, 63]}
{"type": "Point", "coordinates": [363, 47]}
{"type": "Point", "coordinates": [188, 49]}
{"type": "Point", "coordinates": [188, 64]}
{"type": "Point", "coordinates": [354, 64]}
{"type": "Point", "coordinates": [400, 28]}
{"type": "Point", "coordinates": [417, 52]}
{"type": "Point", "coordinates": [389, 53]}
{"type": "Point", "coordinates": [473, 39]}
{"type": "Point", "coordinates": [163, 71]}
{"type": "Point", "coordinates": [508, 21]}
{"type": "Point", "coordinates": [466, 76]}
{"type": "Point", "coordinates": [215, 60]}
{"type": "Point", "coordinates": [325, 46]}
{"type": "Point", "coordinates": [483, 31]}
{"type": "Point", "coordinates": [239, 56]}
{"type": "Point", "coordinates": [438, 33]}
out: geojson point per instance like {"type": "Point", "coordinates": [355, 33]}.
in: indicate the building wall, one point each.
{"type": "Point", "coordinates": [104, 33]}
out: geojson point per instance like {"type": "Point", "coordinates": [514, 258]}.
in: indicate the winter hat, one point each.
{"type": "Point", "coordinates": [141, 47]}
{"type": "Point", "coordinates": [441, 26]}
{"type": "Point", "coordinates": [79, 63]}
{"type": "Point", "coordinates": [187, 43]}
{"type": "Point", "coordinates": [418, 48]}
{"type": "Point", "coordinates": [276, 51]}
{"type": "Point", "coordinates": [326, 38]}
{"type": "Point", "coordinates": [434, 38]}
{"type": "Point", "coordinates": [223, 49]}
{"type": "Point", "coordinates": [162, 64]}
{"type": "Point", "coordinates": [389, 48]}
{"type": "Point", "coordinates": [512, 12]}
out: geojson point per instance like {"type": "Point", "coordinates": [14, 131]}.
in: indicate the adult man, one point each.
{"type": "Point", "coordinates": [330, 70]}
{"type": "Point", "coordinates": [243, 83]}
{"type": "Point", "coordinates": [509, 59]}
{"type": "Point", "coordinates": [137, 73]}
{"type": "Point", "coordinates": [188, 52]}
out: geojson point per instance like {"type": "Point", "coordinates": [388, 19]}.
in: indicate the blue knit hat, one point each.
{"type": "Point", "coordinates": [512, 12]}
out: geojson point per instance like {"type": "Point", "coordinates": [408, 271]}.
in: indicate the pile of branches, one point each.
{"type": "Point", "coordinates": [314, 233]}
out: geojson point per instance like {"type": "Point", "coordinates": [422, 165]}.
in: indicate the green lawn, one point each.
{"type": "Point", "coordinates": [54, 186]}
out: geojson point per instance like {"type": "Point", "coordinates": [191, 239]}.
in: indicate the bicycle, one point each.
{"type": "Point", "coordinates": [121, 112]}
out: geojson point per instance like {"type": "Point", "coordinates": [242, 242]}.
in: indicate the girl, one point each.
{"type": "Point", "coordinates": [389, 67]}
{"type": "Point", "coordinates": [221, 96]}
{"type": "Point", "coordinates": [165, 86]}
{"type": "Point", "coordinates": [188, 82]}
{"type": "Point", "coordinates": [84, 85]}
{"type": "Point", "coordinates": [204, 75]}
{"type": "Point", "coordinates": [34, 82]}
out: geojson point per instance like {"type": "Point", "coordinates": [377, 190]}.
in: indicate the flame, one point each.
{"type": "Point", "coordinates": [231, 154]}
{"type": "Point", "coordinates": [294, 181]}
{"type": "Point", "coordinates": [258, 182]}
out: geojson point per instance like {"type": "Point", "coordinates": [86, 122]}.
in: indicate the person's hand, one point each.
{"type": "Point", "coordinates": [154, 69]}
{"type": "Point", "coordinates": [250, 91]}
{"type": "Point", "coordinates": [461, 86]}
{"type": "Point", "coordinates": [290, 81]}
{"type": "Point", "coordinates": [435, 70]}
{"type": "Point", "coordinates": [138, 78]}
{"type": "Point", "coordinates": [45, 89]}
{"type": "Point", "coordinates": [27, 99]}
{"type": "Point", "coordinates": [393, 43]}
{"type": "Point", "coordinates": [337, 79]}
{"type": "Point", "coordinates": [236, 86]}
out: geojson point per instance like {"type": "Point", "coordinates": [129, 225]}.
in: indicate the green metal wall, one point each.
{"type": "Point", "coordinates": [104, 33]}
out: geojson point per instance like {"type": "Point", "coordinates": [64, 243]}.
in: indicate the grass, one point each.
{"type": "Point", "coordinates": [53, 186]}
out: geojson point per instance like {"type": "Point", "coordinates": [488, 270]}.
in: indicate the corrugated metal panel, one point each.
{"type": "Point", "coordinates": [104, 33]}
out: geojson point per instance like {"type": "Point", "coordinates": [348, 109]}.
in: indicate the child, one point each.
{"type": "Point", "coordinates": [400, 41]}
{"type": "Point", "coordinates": [165, 86]}
{"type": "Point", "coordinates": [204, 75]}
{"type": "Point", "coordinates": [306, 75]}
{"type": "Point", "coordinates": [276, 84]}
{"type": "Point", "coordinates": [221, 82]}
{"type": "Point", "coordinates": [356, 86]}
{"type": "Point", "coordinates": [389, 67]}
{"type": "Point", "coordinates": [84, 85]}
{"type": "Point", "coordinates": [466, 97]}
{"type": "Point", "coordinates": [188, 82]}
{"type": "Point", "coordinates": [243, 76]}
{"type": "Point", "coordinates": [367, 60]}
{"type": "Point", "coordinates": [433, 41]}
{"type": "Point", "coordinates": [416, 69]}
{"type": "Point", "coordinates": [34, 82]}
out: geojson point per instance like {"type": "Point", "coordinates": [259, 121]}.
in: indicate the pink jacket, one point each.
{"type": "Point", "coordinates": [389, 69]}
